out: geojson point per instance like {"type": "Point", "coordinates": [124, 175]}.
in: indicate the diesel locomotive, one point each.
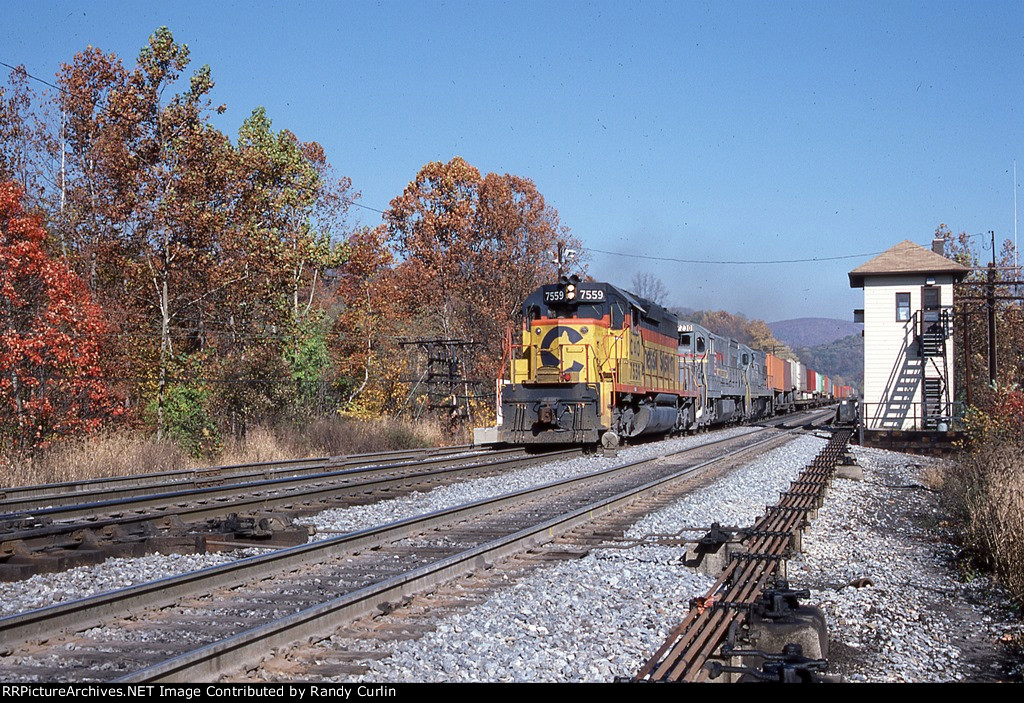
{"type": "Point", "coordinates": [597, 363]}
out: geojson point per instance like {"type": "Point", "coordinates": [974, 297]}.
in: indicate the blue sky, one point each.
{"type": "Point", "coordinates": [723, 131]}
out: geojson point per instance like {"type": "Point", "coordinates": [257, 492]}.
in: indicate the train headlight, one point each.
{"type": "Point", "coordinates": [570, 292]}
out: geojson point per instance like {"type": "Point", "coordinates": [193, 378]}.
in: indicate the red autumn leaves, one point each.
{"type": "Point", "coordinates": [50, 333]}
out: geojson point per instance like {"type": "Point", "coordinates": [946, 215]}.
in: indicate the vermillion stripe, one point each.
{"type": "Point", "coordinates": [658, 338]}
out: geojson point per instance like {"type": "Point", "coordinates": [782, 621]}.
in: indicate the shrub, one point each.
{"type": "Point", "coordinates": [984, 487]}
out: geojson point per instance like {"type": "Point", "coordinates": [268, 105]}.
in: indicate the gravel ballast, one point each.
{"type": "Point", "coordinates": [44, 590]}
{"type": "Point", "coordinates": [600, 616]}
{"type": "Point", "coordinates": [918, 621]}
{"type": "Point", "coordinates": [597, 617]}
{"type": "Point", "coordinates": [603, 615]}
{"type": "Point", "coordinates": [330, 522]}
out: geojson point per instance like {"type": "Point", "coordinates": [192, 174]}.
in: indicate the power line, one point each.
{"type": "Point", "coordinates": [352, 202]}
{"type": "Point", "coordinates": [708, 261]}
{"type": "Point", "coordinates": [751, 263]}
{"type": "Point", "coordinates": [169, 379]}
{"type": "Point", "coordinates": [365, 207]}
{"type": "Point", "coordinates": [21, 69]}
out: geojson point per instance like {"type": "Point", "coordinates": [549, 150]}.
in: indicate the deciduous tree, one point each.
{"type": "Point", "coordinates": [648, 286]}
{"type": "Point", "coordinates": [469, 250]}
{"type": "Point", "coordinates": [50, 384]}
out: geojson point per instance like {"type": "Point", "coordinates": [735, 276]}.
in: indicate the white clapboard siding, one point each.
{"type": "Point", "coordinates": [893, 369]}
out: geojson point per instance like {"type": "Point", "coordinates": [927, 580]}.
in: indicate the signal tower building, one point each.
{"type": "Point", "coordinates": [908, 340]}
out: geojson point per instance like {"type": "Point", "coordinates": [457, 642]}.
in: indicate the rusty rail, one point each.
{"type": "Point", "coordinates": [727, 603]}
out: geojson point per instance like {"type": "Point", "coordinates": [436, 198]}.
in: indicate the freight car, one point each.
{"type": "Point", "coordinates": [597, 363]}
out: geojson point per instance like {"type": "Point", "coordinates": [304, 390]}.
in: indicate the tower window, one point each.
{"type": "Point", "coordinates": [902, 307]}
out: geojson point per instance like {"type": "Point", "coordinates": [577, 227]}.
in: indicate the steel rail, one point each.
{"type": "Point", "coordinates": [156, 501]}
{"type": "Point", "coordinates": [684, 652]}
{"type": "Point", "coordinates": [23, 498]}
{"type": "Point", "coordinates": [222, 501]}
{"type": "Point", "coordinates": [89, 612]}
{"type": "Point", "coordinates": [320, 621]}
{"type": "Point", "coordinates": [118, 508]}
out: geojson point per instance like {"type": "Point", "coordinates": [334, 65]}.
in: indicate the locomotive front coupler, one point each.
{"type": "Point", "coordinates": [547, 412]}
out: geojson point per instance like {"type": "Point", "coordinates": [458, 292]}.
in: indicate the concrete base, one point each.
{"type": "Point", "coordinates": [851, 472]}
{"type": "Point", "coordinates": [913, 441]}
{"type": "Point", "coordinates": [485, 435]}
{"type": "Point", "coordinates": [713, 564]}
{"type": "Point", "coordinates": [806, 627]}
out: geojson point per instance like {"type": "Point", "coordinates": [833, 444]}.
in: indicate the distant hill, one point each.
{"type": "Point", "coordinates": [841, 359]}
{"type": "Point", "coordinates": [813, 331]}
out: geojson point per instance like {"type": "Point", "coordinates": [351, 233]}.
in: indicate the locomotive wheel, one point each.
{"type": "Point", "coordinates": [609, 440]}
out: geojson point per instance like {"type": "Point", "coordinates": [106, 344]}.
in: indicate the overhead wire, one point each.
{"type": "Point", "coordinates": [35, 78]}
{"type": "Point", "coordinates": [714, 262]}
{"type": "Point", "coordinates": [732, 262]}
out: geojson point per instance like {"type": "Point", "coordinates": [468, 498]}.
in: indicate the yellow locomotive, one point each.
{"type": "Point", "coordinates": [595, 363]}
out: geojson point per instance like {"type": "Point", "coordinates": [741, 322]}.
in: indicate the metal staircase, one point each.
{"type": "Point", "coordinates": [934, 329]}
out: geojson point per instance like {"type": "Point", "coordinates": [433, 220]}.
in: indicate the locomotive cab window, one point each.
{"type": "Point", "coordinates": [617, 317]}
{"type": "Point", "coordinates": [684, 340]}
{"type": "Point", "coordinates": [701, 347]}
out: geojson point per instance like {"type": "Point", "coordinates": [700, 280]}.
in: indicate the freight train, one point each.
{"type": "Point", "coordinates": [599, 364]}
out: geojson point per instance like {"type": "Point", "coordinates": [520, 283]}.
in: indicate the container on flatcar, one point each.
{"type": "Point", "coordinates": [776, 373]}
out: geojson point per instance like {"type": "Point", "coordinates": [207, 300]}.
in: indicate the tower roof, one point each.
{"type": "Point", "coordinates": [906, 257]}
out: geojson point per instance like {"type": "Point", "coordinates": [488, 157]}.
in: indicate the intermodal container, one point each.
{"type": "Point", "coordinates": [776, 376]}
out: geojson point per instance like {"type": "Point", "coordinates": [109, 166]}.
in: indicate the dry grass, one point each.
{"type": "Point", "coordinates": [934, 475]}
{"type": "Point", "coordinates": [985, 489]}
{"type": "Point", "coordinates": [330, 436]}
{"type": "Point", "coordinates": [107, 454]}
{"type": "Point", "coordinates": [126, 453]}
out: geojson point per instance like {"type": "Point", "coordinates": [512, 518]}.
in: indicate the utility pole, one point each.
{"type": "Point", "coordinates": [991, 302]}
{"type": "Point", "coordinates": [967, 357]}
{"type": "Point", "coordinates": [563, 258]}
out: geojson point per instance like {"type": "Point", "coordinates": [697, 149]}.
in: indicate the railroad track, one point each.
{"type": "Point", "coordinates": [26, 498]}
{"type": "Point", "coordinates": [59, 537]}
{"type": "Point", "coordinates": [694, 651]}
{"type": "Point", "coordinates": [220, 618]}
